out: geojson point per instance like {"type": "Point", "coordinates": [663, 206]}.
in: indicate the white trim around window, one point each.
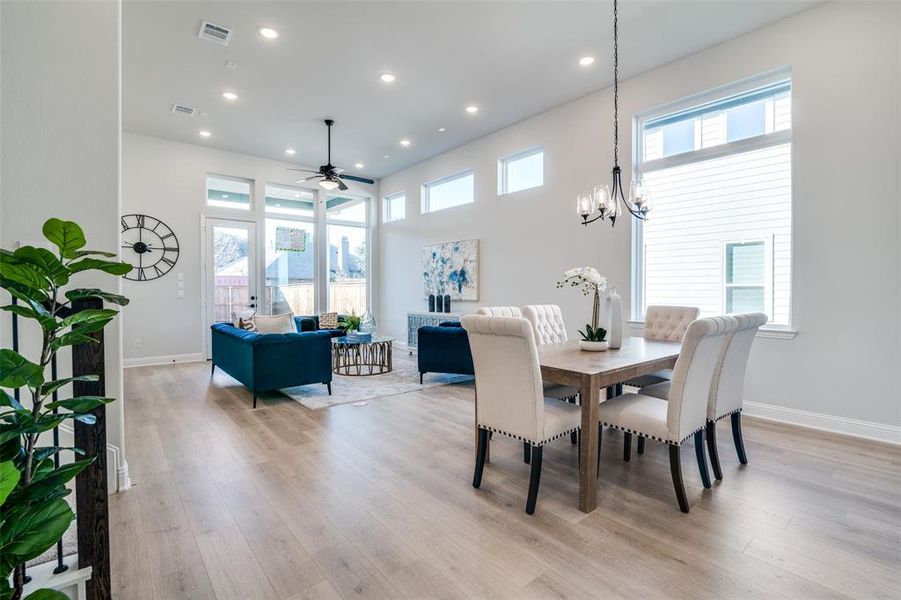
{"type": "Point", "coordinates": [394, 207]}
{"type": "Point", "coordinates": [467, 195]}
{"type": "Point", "coordinates": [503, 171]}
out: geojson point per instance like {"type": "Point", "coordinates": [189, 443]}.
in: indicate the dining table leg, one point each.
{"type": "Point", "coordinates": [588, 460]}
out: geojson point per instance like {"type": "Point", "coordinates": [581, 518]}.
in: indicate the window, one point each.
{"type": "Point", "coordinates": [290, 267]}
{"type": "Point", "coordinates": [394, 207]}
{"type": "Point", "coordinates": [448, 192]}
{"type": "Point", "coordinates": [228, 192]}
{"type": "Point", "coordinates": [745, 277]}
{"type": "Point", "coordinates": [520, 171]}
{"type": "Point", "coordinates": [285, 200]}
{"type": "Point", "coordinates": [348, 260]}
{"type": "Point", "coordinates": [718, 173]}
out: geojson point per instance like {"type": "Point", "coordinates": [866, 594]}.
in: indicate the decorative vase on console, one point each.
{"type": "Point", "coordinates": [615, 312]}
{"type": "Point", "coordinates": [431, 302]}
{"type": "Point", "coordinates": [447, 303]}
{"type": "Point", "coordinates": [439, 303]}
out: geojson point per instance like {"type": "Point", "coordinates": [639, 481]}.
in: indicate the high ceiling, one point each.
{"type": "Point", "coordinates": [511, 59]}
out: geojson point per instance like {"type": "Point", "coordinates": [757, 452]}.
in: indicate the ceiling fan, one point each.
{"type": "Point", "coordinates": [331, 176]}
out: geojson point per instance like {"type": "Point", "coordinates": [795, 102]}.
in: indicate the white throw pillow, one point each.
{"type": "Point", "coordinates": [328, 320]}
{"type": "Point", "coordinates": [243, 319]}
{"type": "Point", "coordinates": [275, 323]}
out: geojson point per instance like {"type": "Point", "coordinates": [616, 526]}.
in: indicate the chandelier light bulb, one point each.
{"type": "Point", "coordinates": [584, 205]}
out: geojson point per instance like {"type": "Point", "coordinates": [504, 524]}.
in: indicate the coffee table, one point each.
{"type": "Point", "coordinates": [362, 358]}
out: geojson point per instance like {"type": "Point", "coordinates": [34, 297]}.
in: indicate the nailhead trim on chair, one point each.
{"type": "Point", "coordinates": [723, 416]}
{"type": "Point", "coordinates": [653, 437]}
{"type": "Point", "coordinates": [522, 439]}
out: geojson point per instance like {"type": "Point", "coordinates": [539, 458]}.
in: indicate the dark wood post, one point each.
{"type": "Point", "coordinates": [92, 508]}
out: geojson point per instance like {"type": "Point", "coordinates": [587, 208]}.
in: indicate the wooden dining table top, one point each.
{"type": "Point", "coordinates": [567, 363]}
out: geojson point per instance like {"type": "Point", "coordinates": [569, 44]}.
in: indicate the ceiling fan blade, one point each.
{"type": "Point", "coordinates": [303, 170]}
{"type": "Point", "coordinates": [338, 170]}
{"type": "Point", "coordinates": [360, 179]}
{"type": "Point", "coordinates": [341, 185]}
{"type": "Point", "coordinates": [309, 178]}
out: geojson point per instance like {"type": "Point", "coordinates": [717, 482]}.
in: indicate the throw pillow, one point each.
{"type": "Point", "coordinates": [328, 320]}
{"type": "Point", "coordinates": [243, 319]}
{"type": "Point", "coordinates": [275, 323]}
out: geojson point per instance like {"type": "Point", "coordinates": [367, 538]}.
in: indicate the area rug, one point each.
{"type": "Point", "coordinates": [346, 390]}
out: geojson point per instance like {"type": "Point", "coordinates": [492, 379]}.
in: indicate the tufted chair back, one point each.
{"type": "Point", "coordinates": [508, 376]}
{"type": "Point", "coordinates": [547, 323]}
{"type": "Point", "coordinates": [726, 392]}
{"type": "Point", "coordinates": [693, 374]}
{"type": "Point", "coordinates": [668, 323]}
{"type": "Point", "coordinates": [500, 311]}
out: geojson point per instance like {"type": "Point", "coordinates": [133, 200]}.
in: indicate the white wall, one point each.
{"type": "Point", "coordinates": [60, 146]}
{"type": "Point", "coordinates": [844, 363]}
{"type": "Point", "coordinates": [167, 180]}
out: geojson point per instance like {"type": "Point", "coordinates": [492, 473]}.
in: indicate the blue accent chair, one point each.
{"type": "Point", "coordinates": [444, 349]}
{"type": "Point", "coordinates": [311, 323]}
{"type": "Point", "coordinates": [266, 362]}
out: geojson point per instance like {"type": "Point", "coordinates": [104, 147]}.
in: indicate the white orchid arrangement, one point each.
{"type": "Point", "coordinates": [586, 278]}
{"type": "Point", "coordinates": [591, 283]}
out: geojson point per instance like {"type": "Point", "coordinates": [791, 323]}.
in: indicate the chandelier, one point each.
{"type": "Point", "coordinates": [608, 202]}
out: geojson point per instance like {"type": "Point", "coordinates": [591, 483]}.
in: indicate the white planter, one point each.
{"type": "Point", "coordinates": [592, 346]}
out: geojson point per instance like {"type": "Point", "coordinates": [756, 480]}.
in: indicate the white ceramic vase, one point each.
{"type": "Point", "coordinates": [592, 346]}
{"type": "Point", "coordinates": [615, 312]}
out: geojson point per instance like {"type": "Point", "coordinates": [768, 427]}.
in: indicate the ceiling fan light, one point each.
{"type": "Point", "coordinates": [328, 184]}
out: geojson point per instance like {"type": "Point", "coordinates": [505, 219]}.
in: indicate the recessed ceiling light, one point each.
{"type": "Point", "coordinates": [204, 133]}
{"type": "Point", "coordinates": [387, 156]}
{"type": "Point", "coordinates": [472, 109]}
{"type": "Point", "coordinates": [230, 95]}
{"type": "Point", "coordinates": [405, 143]}
{"type": "Point", "coordinates": [387, 77]}
{"type": "Point", "coordinates": [442, 129]}
{"type": "Point", "coordinates": [359, 166]}
{"type": "Point", "coordinates": [268, 33]}
{"type": "Point", "coordinates": [586, 60]}
{"type": "Point", "coordinates": [290, 151]}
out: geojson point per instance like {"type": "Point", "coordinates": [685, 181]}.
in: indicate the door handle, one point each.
{"type": "Point", "coordinates": [252, 303]}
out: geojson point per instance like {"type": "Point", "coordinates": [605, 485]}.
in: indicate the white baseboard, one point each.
{"type": "Point", "coordinates": [116, 468]}
{"type": "Point", "coordinates": [845, 425]}
{"type": "Point", "coordinates": [147, 361]}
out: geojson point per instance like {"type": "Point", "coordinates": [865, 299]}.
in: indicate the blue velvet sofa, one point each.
{"type": "Point", "coordinates": [311, 323]}
{"type": "Point", "coordinates": [444, 349]}
{"type": "Point", "coordinates": [266, 362]}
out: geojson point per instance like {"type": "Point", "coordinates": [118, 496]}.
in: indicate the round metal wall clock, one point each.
{"type": "Point", "coordinates": [150, 246]}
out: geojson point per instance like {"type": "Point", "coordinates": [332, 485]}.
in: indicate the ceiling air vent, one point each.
{"type": "Point", "coordinates": [183, 110]}
{"type": "Point", "coordinates": [215, 33]}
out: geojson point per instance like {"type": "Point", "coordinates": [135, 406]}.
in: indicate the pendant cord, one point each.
{"type": "Point", "coordinates": [615, 85]}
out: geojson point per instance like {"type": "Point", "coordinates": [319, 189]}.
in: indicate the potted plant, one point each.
{"type": "Point", "coordinates": [350, 322]}
{"type": "Point", "coordinates": [33, 511]}
{"type": "Point", "coordinates": [591, 283]}
{"type": "Point", "coordinates": [593, 339]}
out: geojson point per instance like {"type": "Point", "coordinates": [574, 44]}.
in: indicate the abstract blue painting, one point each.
{"type": "Point", "coordinates": [451, 268]}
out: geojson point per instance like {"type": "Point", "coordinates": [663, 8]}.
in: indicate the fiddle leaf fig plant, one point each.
{"type": "Point", "coordinates": [34, 514]}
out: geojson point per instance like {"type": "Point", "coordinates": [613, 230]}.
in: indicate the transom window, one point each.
{"type": "Point", "coordinates": [228, 192]}
{"type": "Point", "coordinates": [394, 207]}
{"type": "Point", "coordinates": [717, 168]}
{"type": "Point", "coordinates": [448, 192]}
{"type": "Point", "coordinates": [286, 200]}
{"type": "Point", "coordinates": [520, 171]}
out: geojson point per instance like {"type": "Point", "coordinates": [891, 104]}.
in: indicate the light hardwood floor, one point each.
{"type": "Point", "coordinates": [377, 502]}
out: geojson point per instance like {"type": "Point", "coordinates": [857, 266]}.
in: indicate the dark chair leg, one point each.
{"type": "Point", "coordinates": [212, 368]}
{"type": "Point", "coordinates": [329, 384]}
{"type": "Point", "coordinates": [627, 446]}
{"type": "Point", "coordinates": [618, 389]}
{"type": "Point", "coordinates": [675, 467]}
{"type": "Point", "coordinates": [712, 450]}
{"type": "Point", "coordinates": [572, 437]}
{"type": "Point", "coordinates": [737, 437]}
{"type": "Point", "coordinates": [534, 479]}
{"type": "Point", "coordinates": [480, 458]}
{"type": "Point", "coordinates": [600, 437]}
{"type": "Point", "coordinates": [640, 445]}
{"type": "Point", "coordinates": [254, 399]}
{"type": "Point", "coordinates": [420, 378]}
{"type": "Point", "coordinates": [702, 458]}
{"type": "Point", "coordinates": [526, 452]}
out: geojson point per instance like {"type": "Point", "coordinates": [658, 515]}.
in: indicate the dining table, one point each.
{"type": "Point", "coordinates": [593, 372]}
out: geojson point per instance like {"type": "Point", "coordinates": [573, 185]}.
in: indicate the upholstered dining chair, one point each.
{"type": "Point", "coordinates": [500, 311]}
{"type": "Point", "coordinates": [664, 323]}
{"type": "Point", "coordinates": [549, 328]}
{"type": "Point", "coordinates": [509, 394]}
{"type": "Point", "coordinates": [726, 390]}
{"type": "Point", "coordinates": [682, 416]}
